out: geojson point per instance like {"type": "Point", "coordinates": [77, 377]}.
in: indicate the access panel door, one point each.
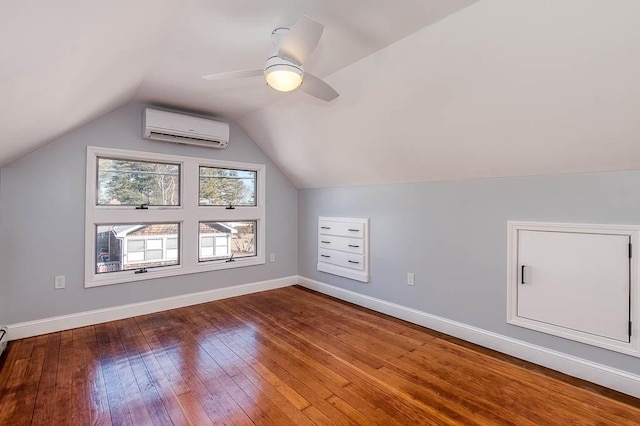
{"type": "Point", "coordinates": [578, 281]}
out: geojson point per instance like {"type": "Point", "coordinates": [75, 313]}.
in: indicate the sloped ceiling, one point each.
{"type": "Point", "coordinates": [221, 35]}
{"type": "Point", "coordinates": [430, 89]}
{"type": "Point", "coordinates": [501, 88]}
{"type": "Point", "coordinates": [66, 62]}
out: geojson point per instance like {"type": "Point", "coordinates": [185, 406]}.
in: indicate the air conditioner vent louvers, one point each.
{"type": "Point", "coordinates": [181, 139]}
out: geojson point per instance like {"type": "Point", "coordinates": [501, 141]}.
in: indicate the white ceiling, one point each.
{"type": "Point", "coordinates": [499, 88]}
{"type": "Point", "coordinates": [218, 36]}
{"type": "Point", "coordinates": [66, 62]}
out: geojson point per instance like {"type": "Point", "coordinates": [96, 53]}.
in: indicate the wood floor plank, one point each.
{"type": "Point", "coordinates": [166, 393]}
{"type": "Point", "coordinates": [109, 363]}
{"type": "Point", "coordinates": [63, 391]}
{"type": "Point", "coordinates": [148, 394]}
{"type": "Point", "coordinates": [285, 357]}
{"type": "Point", "coordinates": [80, 378]}
{"type": "Point", "coordinates": [45, 397]}
{"type": "Point", "coordinates": [9, 357]}
{"type": "Point", "coordinates": [26, 398]}
{"type": "Point", "coordinates": [10, 396]}
{"type": "Point", "coordinates": [163, 342]}
{"type": "Point", "coordinates": [99, 410]}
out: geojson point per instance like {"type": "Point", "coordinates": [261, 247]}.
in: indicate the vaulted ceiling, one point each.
{"type": "Point", "coordinates": [430, 89]}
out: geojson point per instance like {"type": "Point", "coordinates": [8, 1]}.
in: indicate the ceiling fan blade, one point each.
{"type": "Point", "coordinates": [318, 88]}
{"type": "Point", "coordinates": [234, 74]}
{"type": "Point", "coordinates": [301, 40]}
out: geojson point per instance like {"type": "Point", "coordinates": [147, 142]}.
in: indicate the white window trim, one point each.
{"type": "Point", "coordinates": [633, 231]}
{"type": "Point", "coordinates": [188, 215]}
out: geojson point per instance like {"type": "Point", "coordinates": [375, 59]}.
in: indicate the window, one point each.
{"type": "Point", "coordinates": [134, 183]}
{"type": "Point", "coordinates": [227, 187]}
{"type": "Point", "coordinates": [153, 215]}
{"type": "Point", "coordinates": [222, 240]}
{"type": "Point", "coordinates": [134, 246]}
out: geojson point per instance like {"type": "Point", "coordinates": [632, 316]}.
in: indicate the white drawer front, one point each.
{"type": "Point", "coordinates": [344, 229]}
{"type": "Point", "coordinates": [348, 260]}
{"type": "Point", "coordinates": [351, 245]}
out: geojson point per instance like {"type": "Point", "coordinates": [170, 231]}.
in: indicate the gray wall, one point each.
{"type": "Point", "coordinates": [4, 288]}
{"type": "Point", "coordinates": [42, 207]}
{"type": "Point", "coordinates": [453, 236]}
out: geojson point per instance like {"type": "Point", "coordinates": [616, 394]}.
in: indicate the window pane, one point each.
{"type": "Point", "coordinates": [154, 254]}
{"type": "Point", "coordinates": [135, 245]}
{"type": "Point", "coordinates": [154, 244]}
{"type": "Point", "coordinates": [172, 243]}
{"type": "Point", "coordinates": [231, 238]}
{"type": "Point", "coordinates": [134, 256]}
{"type": "Point", "coordinates": [132, 183]}
{"type": "Point", "coordinates": [122, 247]}
{"type": "Point", "coordinates": [223, 187]}
{"type": "Point", "coordinates": [206, 241]}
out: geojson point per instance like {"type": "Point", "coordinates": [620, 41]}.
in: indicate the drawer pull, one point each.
{"type": "Point", "coordinates": [353, 230]}
{"type": "Point", "coordinates": [325, 255]}
{"type": "Point", "coordinates": [325, 242]}
{"type": "Point", "coordinates": [354, 246]}
{"type": "Point", "coordinates": [353, 261]}
{"type": "Point", "coordinates": [325, 227]}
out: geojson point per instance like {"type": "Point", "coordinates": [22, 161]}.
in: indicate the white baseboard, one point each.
{"type": "Point", "coordinates": [81, 319]}
{"type": "Point", "coordinates": [603, 375]}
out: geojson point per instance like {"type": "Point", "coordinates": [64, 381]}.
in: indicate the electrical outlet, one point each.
{"type": "Point", "coordinates": [272, 257]}
{"type": "Point", "coordinates": [411, 278]}
{"type": "Point", "coordinates": [59, 282]}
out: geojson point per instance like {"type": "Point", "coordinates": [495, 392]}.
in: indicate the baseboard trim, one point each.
{"type": "Point", "coordinates": [82, 319]}
{"type": "Point", "coordinates": [603, 375]}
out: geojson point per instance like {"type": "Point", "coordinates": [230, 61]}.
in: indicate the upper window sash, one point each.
{"type": "Point", "coordinates": [135, 183]}
{"type": "Point", "coordinates": [219, 186]}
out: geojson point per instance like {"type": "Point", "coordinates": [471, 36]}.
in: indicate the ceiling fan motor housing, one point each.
{"type": "Point", "coordinates": [275, 62]}
{"type": "Point", "coordinates": [282, 74]}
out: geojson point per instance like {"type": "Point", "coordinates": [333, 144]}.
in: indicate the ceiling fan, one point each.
{"type": "Point", "coordinates": [283, 70]}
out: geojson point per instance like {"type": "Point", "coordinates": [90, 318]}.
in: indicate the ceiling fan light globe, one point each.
{"type": "Point", "coordinates": [284, 80]}
{"type": "Point", "coordinates": [283, 77]}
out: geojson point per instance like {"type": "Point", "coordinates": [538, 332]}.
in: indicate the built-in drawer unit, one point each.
{"type": "Point", "coordinates": [343, 247]}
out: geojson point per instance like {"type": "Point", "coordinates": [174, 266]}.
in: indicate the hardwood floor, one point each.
{"type": "Point", "coordinates": [287, 356]}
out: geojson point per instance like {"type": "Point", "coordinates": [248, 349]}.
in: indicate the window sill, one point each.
{"type": "Point", "coordinates": [170, 271]}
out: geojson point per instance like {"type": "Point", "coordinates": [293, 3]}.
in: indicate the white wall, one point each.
{"type": "Point", "coordinates": [42, 199]}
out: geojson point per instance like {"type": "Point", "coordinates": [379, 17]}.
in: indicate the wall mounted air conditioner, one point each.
{"type": "Point", "coordinates": [185, 129]}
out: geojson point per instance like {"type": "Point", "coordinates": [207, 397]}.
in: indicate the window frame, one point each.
{"type": "Point", "coordinates": [188, 214]}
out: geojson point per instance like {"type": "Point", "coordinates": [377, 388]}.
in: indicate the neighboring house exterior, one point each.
{"type": "Point", "coordinates": [124, 247]}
